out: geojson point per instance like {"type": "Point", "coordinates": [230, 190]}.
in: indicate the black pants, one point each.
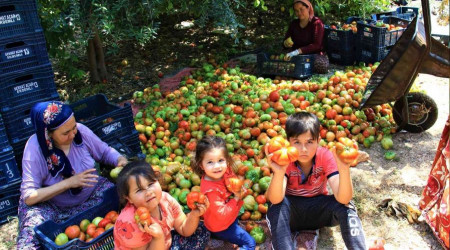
{"type": "Point", "coordinates": [296, 213]}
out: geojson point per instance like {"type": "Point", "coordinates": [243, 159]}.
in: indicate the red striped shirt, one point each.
{"type": "Point", "coordinates": [316, 183]}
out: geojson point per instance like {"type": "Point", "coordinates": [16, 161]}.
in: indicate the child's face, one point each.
{"type": "Point", "coordinates": [214, 164]}
{"type": "Point", "coordinates": [306, 147]}
{"type": "Point", "coordinates": [147, 196]}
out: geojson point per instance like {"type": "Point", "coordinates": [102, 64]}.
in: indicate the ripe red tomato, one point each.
{"type": "Point", "coordinates": [112, 215]}
{"type": "Point", "coordinates": [347, 150]}
{"type": "Point", "coordinates": [142, 216]}
{"type": "Point", "coordinates": [104, 222]}
{"type": "Point", "coordinates": [194, 198]}
{"type": "Point", "coordinates": [91, 229]}
{"type": "Point", "coordinates": [277, 143]}
{"type": "Point", "coordinates": [234, 184]}
{"type": "Point", "coordinates": [72, 232]}
{"type": "Point", "coordinates": [285, 156]}
{"type": "Point", "coordinates": [261, 199]}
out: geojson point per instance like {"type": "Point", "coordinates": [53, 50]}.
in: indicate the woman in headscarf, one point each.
{"type": "Point", "coordinates": [305, 34]}
{"type": "Point", "coordinates": [58, 175]}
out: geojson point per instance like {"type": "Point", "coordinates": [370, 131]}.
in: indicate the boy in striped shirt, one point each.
{"type": "Point", "coordinates": [298, 191]}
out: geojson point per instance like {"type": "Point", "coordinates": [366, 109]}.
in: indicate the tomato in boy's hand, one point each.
{"type": "Point", "coordinates": [194, 198]}
{"type": "Point", "coordinates": [347, 150]}
{"type": "Point", "coordinates": [285, 156]}
{"type": "Point", "coordinates": [142, 216]}
{"type": "Point", "coordinates": [276, 144]}
{"type": "Point", "coordinates": [234, 184]}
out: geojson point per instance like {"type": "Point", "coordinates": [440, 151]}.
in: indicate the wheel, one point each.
{"type": "Point", "coordinates": [423, 112]}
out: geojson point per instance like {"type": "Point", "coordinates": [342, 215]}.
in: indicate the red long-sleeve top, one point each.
{"type": "Point", "coordinates": [308, 39]}
{"type": "Point", "coordinates": [222, 210]}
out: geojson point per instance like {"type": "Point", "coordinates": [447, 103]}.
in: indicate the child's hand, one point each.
{"type": "Point", "coordinates": [339, 162]}
{"type": "Point", "coordinates": [201, 208]}
{"type": "Point", "coordinates": [153, 229]}
{"type": "Point", "coordinates": [240, 194]}
{"type": "Point", "coordinates": [275, 167]}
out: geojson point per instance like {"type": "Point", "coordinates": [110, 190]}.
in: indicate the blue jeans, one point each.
{"type": "Point", "coordinates": [296, 213]}
{"type": "Point", "coordinates": [236, 235]}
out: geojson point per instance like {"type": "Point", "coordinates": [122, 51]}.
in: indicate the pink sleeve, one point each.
{"type": "Point", "coordinates": [126, 232]}
{"type": "Point", "coordinates": [316, 45]}
{"type": "Point", "coordinates": [327, 161]}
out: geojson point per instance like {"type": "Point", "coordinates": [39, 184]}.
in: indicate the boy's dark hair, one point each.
{"type": "Point", "coordinates": [302, 122]}
{"type": "Point", "coordinates": [203, 146]}
{"type": "Point", "coordinates": [133, 169]}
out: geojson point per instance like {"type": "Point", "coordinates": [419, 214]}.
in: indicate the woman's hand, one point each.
{"type": "Point", "coordinates": [83, 179]}
{"type": "Point", "coordinates": [121, 161]}
{"type": "Point", "coordinates": [201, 208]}
{"type": "Point", "coordinates": [153, 229]}
{"type": "Point", "coordinates": [275, 167]}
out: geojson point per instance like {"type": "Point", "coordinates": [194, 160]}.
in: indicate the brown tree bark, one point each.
{"type": "Point", "coordinates": [96, 60]}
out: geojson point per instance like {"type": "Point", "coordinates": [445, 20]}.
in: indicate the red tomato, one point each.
{"type": "Point", "coordinates": [277, 143]}
{"type": "Point", "coordinates": [104, 222]}
{"type": "Point", "coordinates": [234, 184]}
{"type": "Point", "coordinates": [245, 215]}
{"type": "Point", "coordinates": [142, 216]}
{"type": "Point", "coordinates": [194, 198]}
{"type": "Point", "coordinates": [261, 199]}
{"type": "Point", "coordinates": [347, 150]}
{"type": "Point", "coordinates": [285, 156]}
{"type": "Point", "coordinates": [72, 232]}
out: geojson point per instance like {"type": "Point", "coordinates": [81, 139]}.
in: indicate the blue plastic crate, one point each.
{"type": "Point", "coordinates": [18, 148]}
{"type": "Point", "coordinates": [371, 35]}
{"type": "Point", "coordinates": [4, 142]}
{"type": "Point", "coordinates": [18, 17]}
{"type": "Point", "coordinates": [378, 16]}
{"type": "Point", "coordinates": [9, 202]}
{"type": "Point", "coordinates": [9, 173]}
{"type": "Point", "coordinates": [47, 231]}
{"type": "Point", "coordinates": [339, 39]}
{"type": "Point", "coordinates": [23, 52]}
{"type": "Point", "coordinates": [112, 128]}
{"type": "Point", "coordinates": [96, 110]}
{"type": "Point", "coordinates": [32, 84]}
{"type": "Point", "coordinates": [342, 57]}
{"type": "Point", "coordinates": [370, 54]}
{"type": "Point", "coordinates": [300, 66]}
{"type": "Point", "coordinates": [128, 145]}
{"type": "Point", "coordinates": [18, 121]}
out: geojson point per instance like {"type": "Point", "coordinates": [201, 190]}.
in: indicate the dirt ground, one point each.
{"type": "Point", "coordinates": [374, 181]}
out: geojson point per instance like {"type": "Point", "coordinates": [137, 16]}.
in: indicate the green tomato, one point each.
{"type": "Point", "coordinates": [389, 155]}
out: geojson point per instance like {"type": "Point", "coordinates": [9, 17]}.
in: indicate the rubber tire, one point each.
{"type": "Point", "coordinates": [414, 99]}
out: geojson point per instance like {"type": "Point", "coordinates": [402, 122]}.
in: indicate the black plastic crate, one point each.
{"type": "Point", "coordinates": [4, 142]}
{"type": "Point", "coordinates": [32, 84]}
{"type": "Point", "coordinates": [342, 57]}
{"type": "Point", "coordinates": [23, 52]}
{"type": "Point", "coordinates": [300, 66]}
{"type": "Point", "coordinates": [9, 173]}
{"type": "Point", "coordinates": [369, 54]}
{"type": "Point", "coordinates": [18, 17]}
{"type": "Point", "coordinates": [95, 110]}
{"type": "Point", "coordinates": [371, 35]}
{"type": "Point", "coordinates": [9, 202]}
{"type": "Point", "coordinates": [18, 121]}
{"type": "Point", "coordinates": [47, 231]}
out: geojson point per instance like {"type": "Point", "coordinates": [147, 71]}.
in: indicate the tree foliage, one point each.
{"type": "Point", "coordinates": [69, 24]}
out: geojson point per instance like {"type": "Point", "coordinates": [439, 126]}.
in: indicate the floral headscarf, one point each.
{"type": "Point", "coordinates": [47, 116]}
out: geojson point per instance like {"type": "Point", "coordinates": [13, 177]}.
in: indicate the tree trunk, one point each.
{"type": "Point", "coordinates": [96, 60]}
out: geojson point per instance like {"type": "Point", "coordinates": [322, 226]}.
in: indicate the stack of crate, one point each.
{"type": "Point", "coordinates": [26, 77]}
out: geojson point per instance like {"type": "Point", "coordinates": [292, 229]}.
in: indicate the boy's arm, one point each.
{"type": "Point", "coordinates": [277, 187]}
{"type": "Point", "coordinates": [341, 184]}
